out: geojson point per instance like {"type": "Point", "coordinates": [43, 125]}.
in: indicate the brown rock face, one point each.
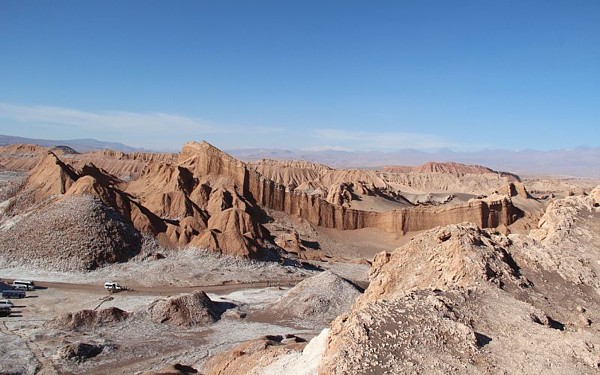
{"type": "Point", "coordinates": [515, 189]}
{"type": "Point", "coordinates": [168, 201]}
{"type": "Point", "coordinates": [51, 176]}
{"type": "Point", "coordinates": [203, 159]}
{"type": "Point", "coordinates": [233, 231]}
{"type": "Point", "coordinates": [320, 212]}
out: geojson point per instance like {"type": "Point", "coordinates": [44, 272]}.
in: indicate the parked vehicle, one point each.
{"type": "Point", "coordinates": [11, 293]}
{"type": "Point", "coordinates": [112, 286]}
{"type": "Point", "coordinates": [4, 310]}
{"type": "Point", "coordinates": [6, 302]}
{"type": "Point", "coordinates": [29, 285]}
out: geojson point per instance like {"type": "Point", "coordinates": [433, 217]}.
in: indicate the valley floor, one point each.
{"type": "Point", "coordinates": [31, 344]}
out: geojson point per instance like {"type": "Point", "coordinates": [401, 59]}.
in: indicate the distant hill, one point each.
{"type": "Point", "coordinates": [80, 145]}
{"type": "Point", "coordinates": [579, 162]}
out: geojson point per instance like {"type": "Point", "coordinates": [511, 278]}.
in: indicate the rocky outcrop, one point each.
{"type": "Point", "coordinates": [331, 213]}
{"type": "Point", "coordinates": [174, 205]}
{"type": "Point", "coordinates": [340, 195]}
{"type": "Point", "coordinates": [80, 351]}
{"type": "Point", "coordinates": [459, 299]}
{"type": "Point", "coordinates": [393, 182]}
{"type": "Point", "coordinates": [187, 310]}
{"type": "Point", "coordinates": [250, 357]}
{"type": "Point", "coordinates": [126, 166]}
{"type": "Point", "coordinates": [233, 232]}
{"type": "Point", "coordinates": [566, 240]}
{"type": "Point", "coordinates": [88, 319]}
{"type": "Point", "coordinates": [515, 189]}
{"type": "Point", "coordinates": [203, 159]}
{"type": "Point", "coordinates": [452, 256]}
{"type": "Point", "coordinates": [316, 300]}
{"type": "Point", "coordinates": [51, 176]}
{"type": "Point", "coordinates": [72, 233]}
{"type": "Point", "coordinates": [289, 173]}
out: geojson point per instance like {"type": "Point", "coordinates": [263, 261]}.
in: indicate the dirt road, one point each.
{"type": "Point", "coordinates": [165, 290]}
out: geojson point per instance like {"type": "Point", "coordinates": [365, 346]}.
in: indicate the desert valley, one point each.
{"type": "Point", "coordinates": [216, 265]}
{"type": "Point", "coordinates": [299, 187]}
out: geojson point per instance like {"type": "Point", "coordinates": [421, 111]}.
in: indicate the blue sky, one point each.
{"type": "Point", "coordinates": [376, 75]}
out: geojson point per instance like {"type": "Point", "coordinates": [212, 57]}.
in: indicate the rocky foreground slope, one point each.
{"type": "Point", "coordinates": [464, 300]}
{"type": "Point", "coordinates": [202, 197]}
{"type": "Point", "coordinates": [461, 300]}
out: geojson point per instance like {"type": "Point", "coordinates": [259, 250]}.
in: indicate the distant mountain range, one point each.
{"type": "Point", "coordinates": [577, 162]}
{"type": "Point", "coordinates": [80, 145]}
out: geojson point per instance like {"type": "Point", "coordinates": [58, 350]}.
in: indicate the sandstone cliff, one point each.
{"type": "Point", "coordinates": [373, 190]}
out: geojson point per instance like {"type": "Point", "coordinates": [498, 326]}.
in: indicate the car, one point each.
{"type": "Point", "coordinates": [24, 284]}
{"type": "Point", "coordinates": [11, 293]}
{"type": "Point", "coordinates": [112, 286]}
{"type": "Point", "coordinates": [4, 310]}
{"type": "Point", "coordinates": [6, 302]}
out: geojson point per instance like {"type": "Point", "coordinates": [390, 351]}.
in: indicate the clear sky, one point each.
{"type": "Point", "coordinates": [356, 75]}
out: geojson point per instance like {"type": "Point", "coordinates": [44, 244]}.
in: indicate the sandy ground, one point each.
{"type": "Point", "coordinates": [137, 345]}
{"type": "Point", "coordinates": [361, 243]}
{"type": "Point", "coordinates": [190, 267]}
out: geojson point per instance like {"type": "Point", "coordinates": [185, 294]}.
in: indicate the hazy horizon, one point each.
{"type": "Point", "coordinates": [577, 162]}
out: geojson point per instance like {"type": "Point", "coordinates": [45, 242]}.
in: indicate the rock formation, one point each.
{"type": "Point", "coordinates": [203, 197]}
{"type": "Point", "coordinates": [316, 300]}
{"type": "Point", "coordinates": [188, 310]}
{"type": "Point", "coordinates": [459, 299]}
{"type": "Point", "coordinates": [80, 351]}
{"type": "Point", "coordinates": [77, 233]}
{"type": "Point", "coordinates": [249, 357]}
{"type": "Point", "coordinates": [88, 319]}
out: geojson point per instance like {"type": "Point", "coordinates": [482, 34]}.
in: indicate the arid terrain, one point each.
{"type": "Point", "coordinates": [289, 266]}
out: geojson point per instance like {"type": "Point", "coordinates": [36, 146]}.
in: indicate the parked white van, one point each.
{"type": "Point", "coordinates": [112, 286]}
{"type": "Point", "coordinates": [24, 284]}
